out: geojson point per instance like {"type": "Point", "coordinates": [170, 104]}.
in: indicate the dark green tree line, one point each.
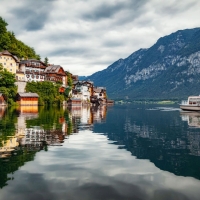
{"type": "Point", "coordinates": [48, 92]}
{"type": "Point", "coordinates": [9, 42]}
{"type": "Point", "coordinates": [7, 85]}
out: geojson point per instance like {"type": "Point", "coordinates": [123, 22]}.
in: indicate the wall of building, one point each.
{"type": "Point", "coordinates": [9, 63]}
{"type": "Point", "coordinates": [28, 101]}
{"type": "Point", "coordinates": [20, 86]}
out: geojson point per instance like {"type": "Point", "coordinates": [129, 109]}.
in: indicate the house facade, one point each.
{"type": "Point", "coordinates": [99, 95]}
{"type": "Point", "coordinates": [55, 73]}
{"type": "Point", "coordinates": [82, 90]}
{"type": "Point", "coordinates": [9, 61]}
{"type": "Point", "coordinates": [32, 69]}
{"type": "Point", "coordinates": [27, 99]}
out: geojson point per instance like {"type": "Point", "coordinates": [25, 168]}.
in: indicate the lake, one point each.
{"type": "Point", "coordinates": [122, 152]}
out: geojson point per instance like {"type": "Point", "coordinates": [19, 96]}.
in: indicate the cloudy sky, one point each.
{"type": "Point", "coordinates": [86, 36]}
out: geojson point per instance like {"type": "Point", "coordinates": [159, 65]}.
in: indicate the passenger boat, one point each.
{"type": "Point", "coordinates": [192, 104]}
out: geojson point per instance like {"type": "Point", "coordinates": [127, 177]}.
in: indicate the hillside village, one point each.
{"type": "Point", "coordinates": [33, 70]}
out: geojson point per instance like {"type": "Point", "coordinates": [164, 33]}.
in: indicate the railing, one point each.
{"type": "Point", "coordinates": [184, 102]}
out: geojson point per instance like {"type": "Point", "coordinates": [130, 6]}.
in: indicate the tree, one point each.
{"type": "Point", "coordinates": [46, 61]}
{"type": "Point", "coordinates": [3, 25]}
{"type": "Point", "coordinates": [9, 42]}
{"type": "Point", "coordinates": [7, 79]}
{"type": "Point", "coordinates": [4, 38]}
{"type": "Point", "coordinates": [48, 92]}
{"type": "Point", "coordinates": [69, 83]}
{"type": "Point", "coordinates": [7, 85]}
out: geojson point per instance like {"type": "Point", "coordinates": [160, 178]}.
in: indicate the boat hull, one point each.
{"type": "Point", "coordinates": [190, 107]}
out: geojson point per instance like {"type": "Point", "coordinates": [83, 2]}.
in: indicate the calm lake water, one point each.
{"type": "Point", "coordinates": [146, 152]}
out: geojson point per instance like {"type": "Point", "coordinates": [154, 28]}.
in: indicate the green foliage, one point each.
{"type": "Point", "coordinates": [18, 157]}
{"type": "Point", "coordinates": [7, 85]}
{"type": "Point", "coordinates": [48, 118]}
{"type": "Point", "coordinates": [7, 79]}
{"type": "Point", "coordinates": [7, 125]}
{"type": "Point", "coordinates": [48, 92]}
{"type": "Point", "coordinates": [9, 42]}
{"type": "Point", "coordinates": [46, 61]}
{"type": "Point", "coordinates": [69, 83]}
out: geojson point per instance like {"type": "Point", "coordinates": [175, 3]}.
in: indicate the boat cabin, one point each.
{"type": "Point", "coordinates": [194, 100]}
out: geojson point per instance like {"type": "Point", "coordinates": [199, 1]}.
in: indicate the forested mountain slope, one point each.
{"type": "Point", "coordinates": [9, 42]}
{"type": "Point", "coordinates": [169, 69]}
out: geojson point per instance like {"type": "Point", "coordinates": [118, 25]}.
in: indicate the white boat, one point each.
{"type": "Point", "coordinates": [192, 104]}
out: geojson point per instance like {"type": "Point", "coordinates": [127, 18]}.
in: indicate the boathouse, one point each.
{"type": "Point", "coordinates": [27, 99]}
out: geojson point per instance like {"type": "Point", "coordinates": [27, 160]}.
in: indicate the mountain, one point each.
{"type": "Point", "coordinates": [82, 78]}
{"type": "Point", "coordinates": [169, 69]}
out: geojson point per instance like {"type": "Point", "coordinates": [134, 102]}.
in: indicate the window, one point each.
{"type": "Point", "coordinates": [11, 70]}
{"type": "Point", "coordinates": [4, 63]}
{"type": "Point", "coordinates": [10, 64]}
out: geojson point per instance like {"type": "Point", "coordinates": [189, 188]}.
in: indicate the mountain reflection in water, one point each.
{"type": "Point", "coordinates": [120, 152]}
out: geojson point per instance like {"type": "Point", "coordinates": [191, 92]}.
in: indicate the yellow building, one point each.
{"type": "Point", "coordinates": [20, 75]}
{"type": "Point", "coordinates": [9, 61]}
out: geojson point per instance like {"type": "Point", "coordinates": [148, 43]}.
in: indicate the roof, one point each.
{"type": "Point", "coordinates": [82, 82]}
{"type": "Point", "coordinates": [28, 94]}
{"type": "Point", "coordinates": [97, 90]}
{"type": "Point", "coordinates": [31, 60]}
{"type": "Point", "coordinates": [53, 69]}
{"type": "Point", "coordinates": [7, 53]}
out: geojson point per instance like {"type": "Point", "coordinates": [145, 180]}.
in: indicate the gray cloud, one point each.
{"type": "Point", "coordinates": [175, 9]}
{"type": "Point", "coordinates": [113, 43]}
{"type": "Point", "coordinates": [81, 51]}
{"type": "Point", "coordinates": [103, 11]}
{"type": "Point", "coordinates": [33, 14]}
{"type": "Point", "coordinates": [106, 10]}
{"type": "Point", "coordinates": [87, 35]}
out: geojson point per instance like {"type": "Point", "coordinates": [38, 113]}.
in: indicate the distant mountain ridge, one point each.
{"type": "Point", "coordinates": [169, 69]}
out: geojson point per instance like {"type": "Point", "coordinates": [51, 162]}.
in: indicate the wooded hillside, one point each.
{"type": "Point", "coordinates": [9, 42]}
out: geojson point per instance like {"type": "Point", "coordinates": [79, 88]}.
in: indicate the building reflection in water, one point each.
{"type": "Point", "coordinates": [84, 117]}
{"type": "Point", "coordinates": [29, 130]}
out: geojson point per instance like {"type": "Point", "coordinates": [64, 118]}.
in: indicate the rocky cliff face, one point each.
{"type": "Point", "coordinates": [168, 69]}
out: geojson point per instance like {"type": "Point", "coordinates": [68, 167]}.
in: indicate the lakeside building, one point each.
{"type": "Point", "coordinates": [9, 61]}
{"type": "Point", "coordinates": [32, 69]}
{"type": "Point", "coordinates": [55, 73]}
{"type": "Point", "coordinates": [87, 93]}
{"type": "Point", "coordinates": [36, 70]}
{"type": "Point", "coordinates": [82, 90]}
{"type": "Point", "coordinates": [99, 93]}
{"type": "Point", "coordinates": [27, 99]}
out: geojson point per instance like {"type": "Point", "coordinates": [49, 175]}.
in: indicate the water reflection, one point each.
{"type": "Point", "coordinates": [157, 134]}
{"type": "Point", "coordinates": [192, 118]}
{"type": "Point", "coordinates": [135, 152]}
{"type": "Point", "coordinates": [28, 130]}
